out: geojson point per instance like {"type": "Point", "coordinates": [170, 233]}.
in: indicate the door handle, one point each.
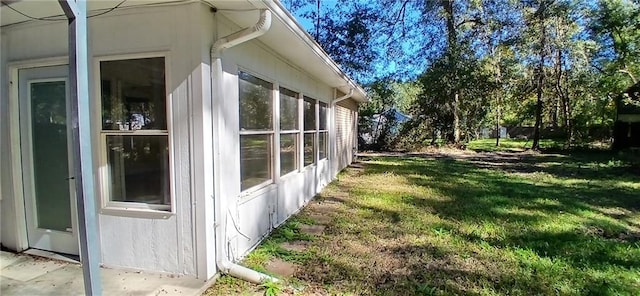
{"type": "Point", "coordinates": [70, 178]}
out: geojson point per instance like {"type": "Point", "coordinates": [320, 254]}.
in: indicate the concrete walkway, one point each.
{"type": "Point", "coordinates": [23, 274]}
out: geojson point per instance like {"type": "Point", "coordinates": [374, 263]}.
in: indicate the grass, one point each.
{"type": "Point", "coordinates": [447, 223]}
{"type": "Point", "coordinates": [512, 145]}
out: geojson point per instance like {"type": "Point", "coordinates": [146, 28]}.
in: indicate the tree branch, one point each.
{"type": "Point", "coordinates": [475, 21]}
{"type": "Point", "coordinates": [630, 75]}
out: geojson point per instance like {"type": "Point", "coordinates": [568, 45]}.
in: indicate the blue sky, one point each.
{"type": "Point", "coordinates": [397, 64]}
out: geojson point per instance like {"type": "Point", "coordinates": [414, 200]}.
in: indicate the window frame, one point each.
{"type": "Point", "coordinates": [313, 132]}
{"type": "Point", "coordinates": [271, 133]}
{"type": "Point", "coordinates": [323, 131]}
{"type": "Point", "coordinates": [296, 132]}
{"type": "Point", "coordinates": [133, 209]}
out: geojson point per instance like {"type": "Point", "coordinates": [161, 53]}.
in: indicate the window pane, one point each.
{"type": "Point", "coordinates": [309, 114]}
{"type": "Point", "coordinates": [288, 153]}
{"type": "Point", "coordinates": [133, 94]}
{"type": "Point", "coordinates": [309, 152]}
{"type": "Point", "coordinates": [322, 144]}
{"type": "Point", "coordinates": [255, 103]}
{"type": "Point", "coordinates": [139, 168]}
{"type": "Point", "coordinates": [50, 154]}
{"type": "Point", "coordinates": [288, 110]}
{"type": "Point", "coordinates": [255, 160]}
{"type": "Point", "coordinates": [323, 116]}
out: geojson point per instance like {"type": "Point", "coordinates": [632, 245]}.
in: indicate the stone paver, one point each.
{"type": "Point", "coordinates": [295, 246]}
{"type": "Point", "coordinates": [281, 267]}
{"type": "Point", "coordinates": [312, 229]}
{"type": "Point", "coordinates": [321, 219]}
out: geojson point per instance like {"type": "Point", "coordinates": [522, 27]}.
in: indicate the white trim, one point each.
{"type": "Point", "coordinates": [247, 196]}
{"type": "Point", "coordinates": [22, 242]}
{"type": "Point", "coordinates": [273, 135]}
{"type": "Point", "coordinates": [133, 209]}
{"type": "Point", "coordinates": [275, 119]}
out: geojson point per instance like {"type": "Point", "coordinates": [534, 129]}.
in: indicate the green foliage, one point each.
{"type": "Point", "coordinates": [272, 288]}
{"type": "Point", "coordinates": [386, 96]}
{"type": "Point", "coordinates": [495, 55]}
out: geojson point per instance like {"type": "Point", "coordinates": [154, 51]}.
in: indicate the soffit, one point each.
{"type": "Point", "coordinates": [286, 36]}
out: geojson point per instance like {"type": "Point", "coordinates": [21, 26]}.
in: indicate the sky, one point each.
{"type": "Point", "coordinates": [388, 64]}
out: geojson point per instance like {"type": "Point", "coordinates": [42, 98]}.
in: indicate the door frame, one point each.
{"type": "Point", "coordinates": [22, 242]}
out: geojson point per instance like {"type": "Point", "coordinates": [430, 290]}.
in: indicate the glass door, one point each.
{"type": "Point", "coordinates": [46, 162]}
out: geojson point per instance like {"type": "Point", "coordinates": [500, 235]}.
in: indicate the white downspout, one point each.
{"type": "Point", "coordinates": [220, 205]}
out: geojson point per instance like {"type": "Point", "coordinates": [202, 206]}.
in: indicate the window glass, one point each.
{"type": "Point", "coordinates": [133, 94]}
{"type": "Point", "coordinates": [309, 152]}
{"type": "Point", "coordinates": [256, 130]}
{"type": "Point", "coordinates": [256, 112]}
{"type": "Point", "coordinates": [138, 168]}
{"type": "Point", "coordinates": [322, 145]}
{"type": "Point", "coordinates": [255, 159]}
{"type": "Point", "coordinates": [309, 106]}
{"type": "Point", "coordinates": [288, 109]}
{"type": "Point", "coordinates": [288, 153]}
{"type": "Point", "coordinates": [323, 116]}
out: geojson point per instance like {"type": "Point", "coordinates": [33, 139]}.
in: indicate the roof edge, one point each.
{"type": "Point", "coordinates": [289, 20]}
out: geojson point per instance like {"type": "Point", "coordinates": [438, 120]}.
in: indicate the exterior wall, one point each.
{"type": "Point", "coordinates": [253, 215]}
{"type": "Point", "coordinates": [8, 220]}
{"type": "Point", "coordinates": [181, 242]}
{"type": "Point", "coordinates": [346, 142]}
{"type": "Point", "coordinates": [164, 243]}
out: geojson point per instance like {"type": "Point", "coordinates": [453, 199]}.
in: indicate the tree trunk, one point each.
{"type": "Point", "coordinates": [456, 119]}
{"type": "Point", "coordinates": [498, 126]}
{"type": "Point", "coordinates": [536, 129]}
{"type": "Point", "coordinates": [452, 38]}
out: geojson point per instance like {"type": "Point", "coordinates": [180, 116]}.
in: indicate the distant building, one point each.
{"type": "Point", "coordinates": [626, 130]}
{"type": "Point", "coordinates": [377, 123]}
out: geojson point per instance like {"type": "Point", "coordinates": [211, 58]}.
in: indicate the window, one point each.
{"type": "Point", "coordinates": [256, 131]}
{"type": "Point", "coordinates": [309, 109]}
{"type": "Point", "coordinates": [134, 132]}
{"type": "Point", "coordinates": [289, 131]}
{"type": "Point", "coordinates": [323, 131]}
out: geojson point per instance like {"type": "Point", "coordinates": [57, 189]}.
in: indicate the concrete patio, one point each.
{"type": "Point", "coordinates": [24, 274]}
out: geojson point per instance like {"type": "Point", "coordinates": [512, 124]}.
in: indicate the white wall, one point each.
{"type": "Point", "coordinates": [7, 237]}
{"type": "Point", "coordinates": [345, 134]}
{"type": "Point", "coordinates": [252, 216]}
{"type": "Point", "coordinates": [165, 244]}
{"type": "Point", "coordinates": [181, 243]}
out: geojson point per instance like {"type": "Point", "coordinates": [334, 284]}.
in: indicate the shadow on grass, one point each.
{"type": "Point", "coordinates": [569, 229]}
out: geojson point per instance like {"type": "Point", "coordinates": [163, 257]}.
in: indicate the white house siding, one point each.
{"type": "Point", "coordinates": [252, 216]}
{"type": "Point", "coordinates": [7, 203]}
{"type": "Point", "coordinates": [127, 240]}
{"type": "Point", "coordinates": [45, 41]}
{"type": "Point", "coordinates": [346, 114]}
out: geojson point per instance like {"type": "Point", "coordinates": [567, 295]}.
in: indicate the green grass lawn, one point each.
{"type": "Point", "coordinates": [446, 223]}
{"type": "Point", "coordinates": [513, 145]}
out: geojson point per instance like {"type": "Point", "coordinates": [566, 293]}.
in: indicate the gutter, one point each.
{"type": "Point", "coordinates": [350, 94]}
{"type": "Point", "coordinates": [220, 207]}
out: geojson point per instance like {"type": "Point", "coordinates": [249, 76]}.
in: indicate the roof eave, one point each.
{"type": "Point", "coordinates": [289, 20]}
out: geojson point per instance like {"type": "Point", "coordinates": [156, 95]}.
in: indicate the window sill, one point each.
{"type": "Point", "coordinates": [290, 174]}
{"type": "Point", "coordinates": [133, 212]}
{"type": "Point", "coordinates": [252, 193]}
